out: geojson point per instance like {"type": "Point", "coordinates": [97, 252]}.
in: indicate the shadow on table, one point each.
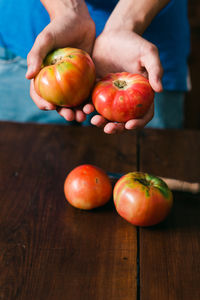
{"type": "Point", "coordinates": [184, 213]}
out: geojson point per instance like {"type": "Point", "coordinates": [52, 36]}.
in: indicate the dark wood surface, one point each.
{"type": "Point", "coordinates": [170, 252]}
{"type": "Point", "coordinates": [50, 250]}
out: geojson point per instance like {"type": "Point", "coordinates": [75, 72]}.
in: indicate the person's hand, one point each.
{"type": "Point", "coordinates": [123, 50]}
{"type": "Point", "coordinates": [114, 127]}
{"type": "Point", "coordinates": [67, 29]}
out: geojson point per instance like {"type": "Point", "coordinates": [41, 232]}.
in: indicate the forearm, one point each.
{"type": "Point", "coordinates": [135, 15]}
{"type": "Point", "coordinates": [58, 7]}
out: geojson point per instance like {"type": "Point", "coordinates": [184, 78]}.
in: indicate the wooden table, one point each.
{"type": "Point", "coordinates": [50, 250]}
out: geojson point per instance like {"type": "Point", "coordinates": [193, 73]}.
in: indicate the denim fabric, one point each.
{"type": "Point", "coordinates": [16, 104]}
{"type": "Point", "coordinates": [168, 110]}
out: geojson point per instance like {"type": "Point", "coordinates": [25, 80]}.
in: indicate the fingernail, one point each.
{"type": "Point", "coordinates": [47, 108]}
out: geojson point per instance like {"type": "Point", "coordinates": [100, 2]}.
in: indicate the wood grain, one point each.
{"type": "Point", "coordinates": [169, 252]}
{"type": "Point", "coordinates": [48, 249]}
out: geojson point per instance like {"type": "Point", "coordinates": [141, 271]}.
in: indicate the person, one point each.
{"type": "Point", "coordinates": [146, 37]}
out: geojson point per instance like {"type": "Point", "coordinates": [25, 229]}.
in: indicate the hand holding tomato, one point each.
{"type": "Point", "coordinates": [68, 27]}
{"type": "Point", "coordinates": [123, 97]}
{"type": "Point", "coordinates": [120, 97]}
{"type": "Point", "coordinates": [66, 78]}
{"type": "Point", "coordinates": [65, 81]}
{"type": "Point", "coordinates": [125, 51]}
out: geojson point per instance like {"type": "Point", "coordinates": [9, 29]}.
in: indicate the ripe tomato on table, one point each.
{"type": "Point", "coordinates": [66, 78]}
{"type": "Point", "coordinates": [122, 96]}
{"type": "Point", "coordinates": [142, 199]}
{"type": "Point", "coordinates": [87, 187]}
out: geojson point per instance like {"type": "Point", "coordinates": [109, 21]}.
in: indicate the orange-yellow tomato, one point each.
{"type": "Point", "coordinates": [142, 199]}
{"type": "Point", "coordinates": [66, 78]}
{"type": "Point", "coordinates": [87, 187]}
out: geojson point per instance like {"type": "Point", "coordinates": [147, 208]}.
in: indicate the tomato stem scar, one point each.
{"type": "Point", "coordinates": [120, 83]}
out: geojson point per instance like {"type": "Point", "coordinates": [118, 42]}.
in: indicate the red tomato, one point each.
{"type": "Point", "coordinates": [66, 78]}
{"type": "Point", "coordinates": [122, 96]}
{"type": "Point", "coordinates": [142, 199]}
{"type": "Point", "coordinates": [87, 187]}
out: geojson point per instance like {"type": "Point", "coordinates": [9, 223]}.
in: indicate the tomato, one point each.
{"type": "Point", "coordinates": [66, 78]}
{"type": "Point", "coordinates": [87, 187]}
{"type": "Point", "coordinates": [142, 199]}
{"type": "Point", "coordinates": [122, 96]}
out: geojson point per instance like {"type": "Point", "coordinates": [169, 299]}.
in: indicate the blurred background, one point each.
{"type": "Point", "coordinates": [192, 106]}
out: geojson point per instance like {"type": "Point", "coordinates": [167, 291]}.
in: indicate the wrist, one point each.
{"type": "Point", "coordinates": [65, 7]}
{"type": "Point", "coordinates": [134, 15]}
{"type": "Point", "coordinates": [127, 15]}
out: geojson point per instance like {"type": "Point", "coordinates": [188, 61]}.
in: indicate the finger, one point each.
{"type": "Point", "coordinates": [98, 121]}
{"type": "Point", "coordinates": [43, 44]}
{"type": "Point", "coordinates": [40, 102]}
{"type": "Point", "coordinates": [112, 128]}
{"type": "Point", "coordinates": [67, 113]}
{"type": "Point", "coordinates": [88, 108]}
{"type": "Point", "coordinates": [152, 64]}
{"type": "Point", "coordinates": [140, 123]}
{"type": "Point", "coordinates": [80, 116]}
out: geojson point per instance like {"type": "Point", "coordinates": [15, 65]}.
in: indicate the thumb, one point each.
{"type": "Point", "coordinates": [43, 44]}
{"type": "Point", "coordinates": [152, 64]}
{"type": "Point", "coordinates": [155, 76]}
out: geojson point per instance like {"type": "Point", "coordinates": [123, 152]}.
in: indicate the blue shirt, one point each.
{"type": "Point", "coordinates": [21, 21]}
